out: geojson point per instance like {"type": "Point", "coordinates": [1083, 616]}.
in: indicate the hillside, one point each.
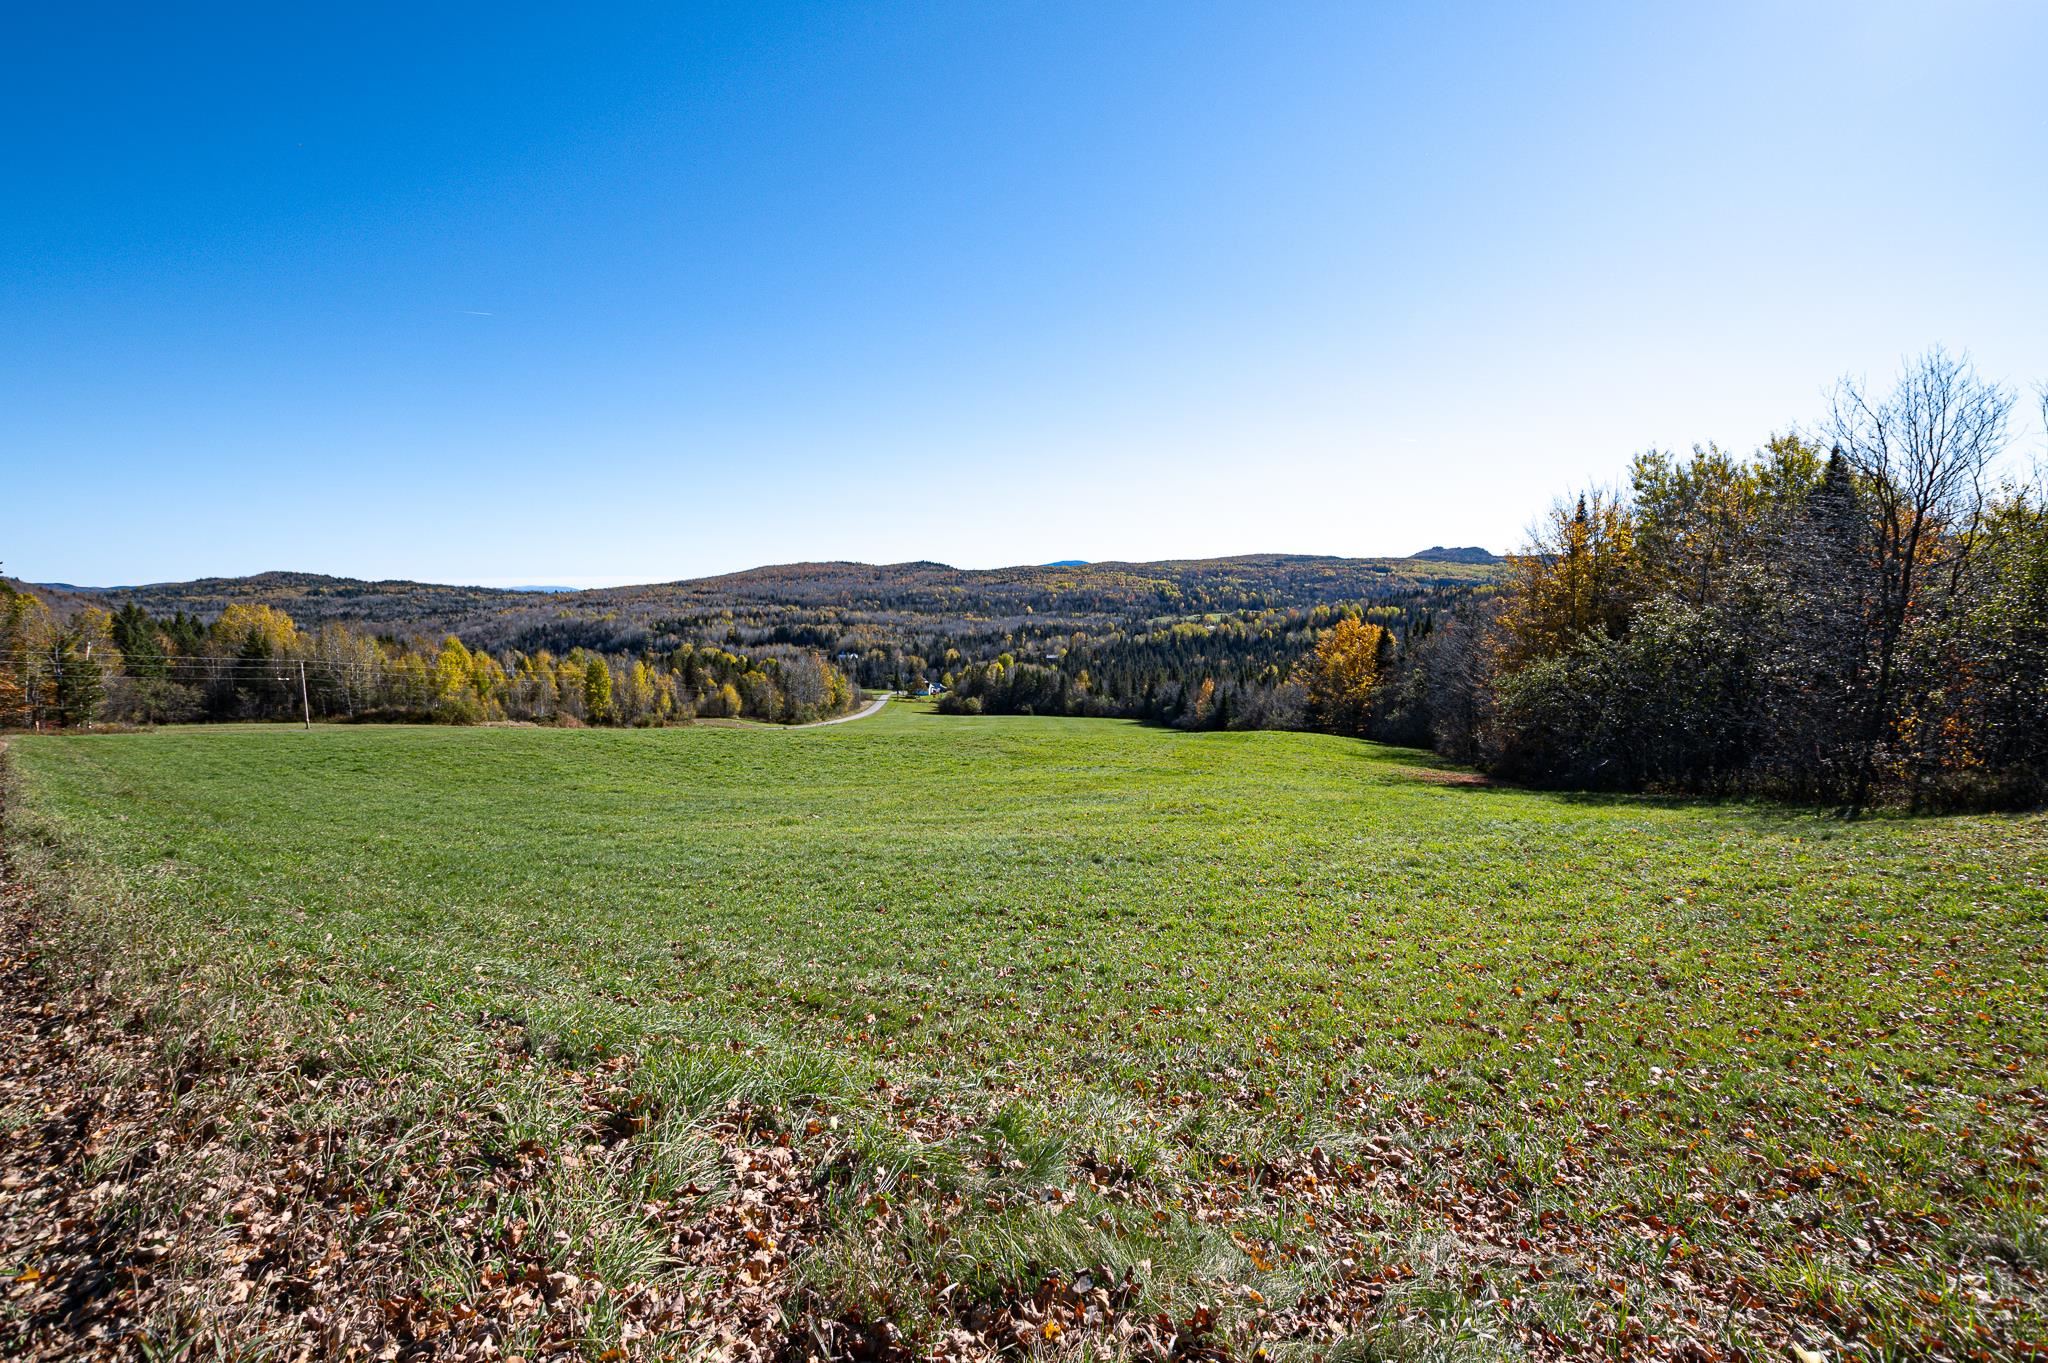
{"type": "Point", "coordinates": [924, 597]}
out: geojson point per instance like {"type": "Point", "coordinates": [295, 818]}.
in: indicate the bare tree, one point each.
{"type": "Point", "coordinates": [1457, 679]}
{"type": "Point", "coordinates": [1919, 455]}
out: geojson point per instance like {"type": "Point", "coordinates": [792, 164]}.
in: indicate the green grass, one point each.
{"type": "Point", "coordinates": [1670, 1046]}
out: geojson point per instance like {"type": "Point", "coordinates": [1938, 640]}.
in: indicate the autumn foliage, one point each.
{"type": "Point", "coordinates": [1341, 673]}
{"type": "Point", "coordinates": [253, 661]}
{"type": "Point", "coordinates": [1854, 622]}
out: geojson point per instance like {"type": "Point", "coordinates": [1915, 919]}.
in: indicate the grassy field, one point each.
{"type": "Point", "coordinates": [1110, 1039]}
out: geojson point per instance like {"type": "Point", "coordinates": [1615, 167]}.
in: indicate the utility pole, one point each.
{"type": "Point", "coordinates": [303, 700]}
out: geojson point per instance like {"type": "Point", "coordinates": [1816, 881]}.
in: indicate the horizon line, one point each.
{"type": "Point", "coordinates": [539, 583]}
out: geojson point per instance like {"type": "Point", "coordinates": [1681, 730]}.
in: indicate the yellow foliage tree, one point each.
{"type": "Point", "coordinates": [597, 691]}
{"type": "Point", "coordinates": [26, 634]}
{"type": "Point", "coordinates": [636, 698]}
{"type": "Point", "coordinates": [259, 629]}
{"type": "Point", "coordinates": [451, 671]}
{"type": "Point", "coordinates": [1578, 578]}
{"type": "Point", "coordinates": [1341, 674]}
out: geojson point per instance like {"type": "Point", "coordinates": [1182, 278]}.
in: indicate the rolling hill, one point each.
{"type": "Point", "coordinates": [894, 598]}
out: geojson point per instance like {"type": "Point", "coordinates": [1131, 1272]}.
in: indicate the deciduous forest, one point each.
{"type": "Point", "coordinates": [253, 662]}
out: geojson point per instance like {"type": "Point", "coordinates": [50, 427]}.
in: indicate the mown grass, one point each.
{"type": "Point", "coordinates": [1572, 1068]}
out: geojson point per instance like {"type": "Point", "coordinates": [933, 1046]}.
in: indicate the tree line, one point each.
{"type": "Point", "coordinates": [253, 662]}
{"type": "Point", "coordinates": [1854, 614]}
{"type": "Point", "coordinates": [1238, 671]}
{"type": "Point", "coordinates": [1199, 643]}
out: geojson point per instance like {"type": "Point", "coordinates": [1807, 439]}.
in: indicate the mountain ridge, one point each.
{"type": "Point", "coordinates": [275, 580]}
{"type": "Point", "coordinates": [822, 603]}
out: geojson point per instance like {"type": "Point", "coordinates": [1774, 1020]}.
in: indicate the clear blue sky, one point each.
{"type": "Point", "coordinates": [589, 294]}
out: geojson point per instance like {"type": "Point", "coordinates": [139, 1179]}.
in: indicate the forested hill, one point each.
{"type": "Point", "coordinates": [310, 598]}
{"type": "Point", "coordinates": [920, 596]}
{"type": "Point", "coordinates": [1171, 587]}
{"type": "Point", "coordinates": [1208, 641]}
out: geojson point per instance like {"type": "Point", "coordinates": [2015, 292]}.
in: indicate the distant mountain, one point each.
{"type": "Point", "coordinates": [833, 605]}
{"type": "Point", "coordinates": [1470, 553]}
{"type": "Point", "coordinates": [1068, 563]}
{"type": "Point", "coordinates": [63, 600]}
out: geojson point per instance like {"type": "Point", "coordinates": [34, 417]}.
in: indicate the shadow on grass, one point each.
{"type": "Point", "coordinates": [1753, 807]}
{"type": "Point", "coordinates": [1419, 766]}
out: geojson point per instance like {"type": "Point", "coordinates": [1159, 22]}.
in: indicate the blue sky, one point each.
{"type": "Point", "coordinates": [606, 294]}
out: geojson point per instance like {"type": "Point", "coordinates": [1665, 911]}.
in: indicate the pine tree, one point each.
{"type": "Point", "coordinates": [142, 650]}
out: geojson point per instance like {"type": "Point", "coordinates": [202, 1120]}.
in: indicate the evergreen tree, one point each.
{"type": "Point", "coordinates": [142, 651]}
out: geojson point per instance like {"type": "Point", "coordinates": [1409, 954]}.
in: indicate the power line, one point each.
{"type": "Point", "coordinates": [287, 659]}
{"type": "Point", "coordinates": [176, 661]}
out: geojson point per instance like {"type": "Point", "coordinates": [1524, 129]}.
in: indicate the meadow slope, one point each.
{"type": "Point", "coordinates": [1061, 1035]}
